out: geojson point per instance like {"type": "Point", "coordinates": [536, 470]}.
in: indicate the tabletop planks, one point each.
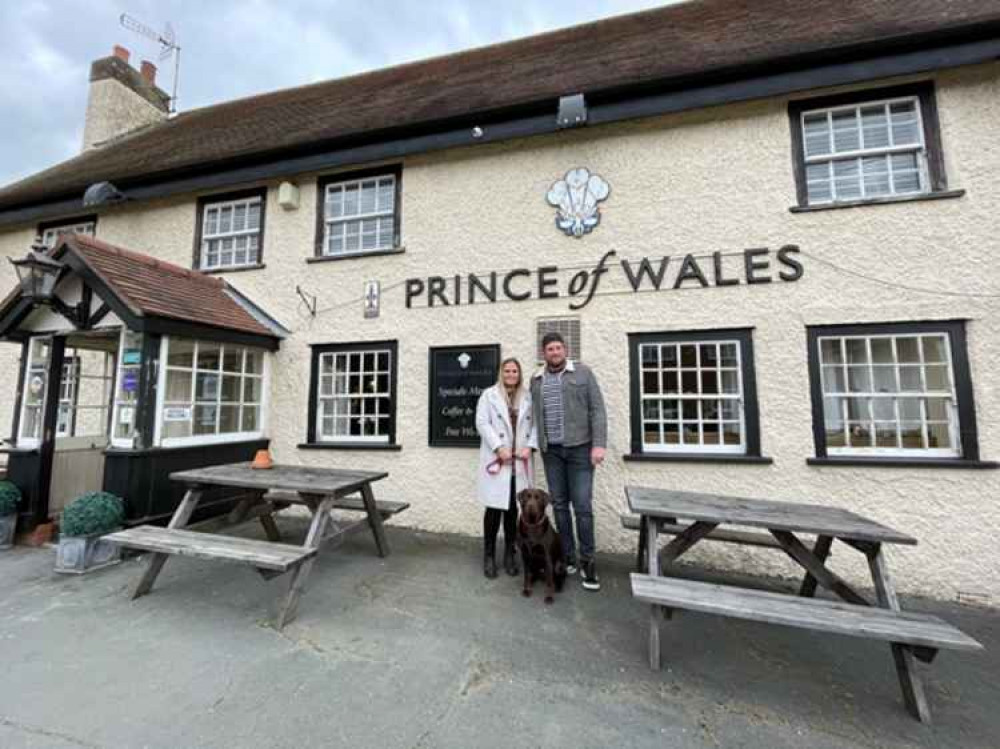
{"type": "Point", "coordinates": [289, 478]}
{"type": "Point", "coordinates": [761, 513]}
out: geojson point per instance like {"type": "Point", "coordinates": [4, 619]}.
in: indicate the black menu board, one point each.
{"type": "Point", "coordinates": [458, 376]}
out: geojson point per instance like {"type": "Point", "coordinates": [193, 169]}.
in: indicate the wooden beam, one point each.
{"type": "Point", "coordinates": [692, 535]}
{"type": "Point", "coordinates": [821, 551]}
{"type": "Point", "coordinates": [832, 582]}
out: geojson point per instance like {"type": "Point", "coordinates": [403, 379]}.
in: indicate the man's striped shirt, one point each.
{"type": "Point", "coordinates": [552, 406]}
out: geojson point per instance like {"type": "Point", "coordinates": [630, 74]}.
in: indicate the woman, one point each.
{"type": "Point", "coordinates": [505, 425]}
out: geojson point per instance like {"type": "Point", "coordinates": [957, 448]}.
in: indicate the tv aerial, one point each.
{"type": "Point", "coordinates": [168, 46]}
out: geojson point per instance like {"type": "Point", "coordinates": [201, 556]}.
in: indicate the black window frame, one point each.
{"type": "Point", "coordinates": [207, 200]}
{"type": "Point", "coordinates": [312, 442]}
{"type": "Point", "coordinates": [925, 93]}
{"type": "Point", "coordinates": [964, 394]}
{"type": "Point", "coordinates": [751, 406]}
{"type": "Point", "coordinates": [395, 170]}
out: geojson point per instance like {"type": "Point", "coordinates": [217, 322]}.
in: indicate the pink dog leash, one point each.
{"type": "Point", "coordinates": [497, 465]}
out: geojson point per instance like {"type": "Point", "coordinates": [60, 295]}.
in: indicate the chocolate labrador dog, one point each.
{"type": "Point", "coordinates": [541, 552]}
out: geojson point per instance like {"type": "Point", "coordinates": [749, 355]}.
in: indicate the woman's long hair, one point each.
{"type": "Point", "coordinates": [519, 390]}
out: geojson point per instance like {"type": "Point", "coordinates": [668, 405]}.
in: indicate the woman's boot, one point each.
{"type": "Point", "coordinates": [490, 559]}
{"type": "Point", "coordinates": [510, 560]}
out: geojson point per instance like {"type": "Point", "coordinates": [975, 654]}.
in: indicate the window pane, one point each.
{"type": "Point", "coordinates": [205, 419]}
{"type": "Point", "coordinates": [727, 355]}
{"type": "Point", "coordinates": [882, 351]}
{"type": "Point", "coordinates": [876, 176]}
{"type": "Point", "coordinates": [846, 176]}
{"type": "Point", "coordinates": [858, 379]}
{"type": "Point", "coordinates": [936, 378]}
{"type": "Point", "coordinates": [386, 232]}
{"type": "Point", "coordinates": [905, 172]}
{"type": "Point", "coordinates": [830, 351]}
{"type": "Point", "coordinates": [231, 389]}
{"type": "Point", "coordinates": [817, 134]}
{"type": "Point", "coordinates": [232, 361]}
{"type": "Point", "coordinates": [907, 350]}
{"type": "Point", "coordinates": [254, 362]}
{"type": "Point", "coordinates": [884, 379]}
{"type": "Point", "coordinates": [818, 182]}
{"type": "Point", "coordinates": [857, 350]}
{"type": "Point", "coordinates": [938, 435]}
{"type": "Point", "coordinates": [251, 418]}
{"type": "Point", "coordinates": [351, 202]}
{"type": "Point", "coordinates": [225, 219]}
{"type": "Point", "coordinates": [211, 221]}
{"type": "Point", "coordinates": [180, 353]}
{"type": "Point", "coordinates": [253, 216]}
{"type": "Point", "coordinates": [229, 420]}
{"type": "Point", "coordinates": [875, 126]}
{"type": "Point", "coordinates": [833, 380]}
{"type": "Point", "coordinates": [885, 434]}
{"type": "Point", "coordinates": [905, 124]}
{"type": "Point", "coordinates": [909, 379]}
{"type": "Point", "coordinates": [846, 136]}
{"type": "Point", "coordinates": [240, 217]}
{"type": "Point", "coordinates": [209, 355]}
{"type": "Point", "coordinates": [387, 194]}
{"type": "Point", "coordinates": [368, 197]}
{"type": "Point", "coordinates": [178, 386]}
{"type": "Point", "coordinates": [934, 349]}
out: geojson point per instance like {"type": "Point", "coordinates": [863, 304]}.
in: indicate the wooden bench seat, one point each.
{"type": "Point", "coordinates": [904, 628]}
{"type": "Point", "coordinates": [265, 555]}
{"type": "Point", "coordinates": [386, 507]}
{"type": "Point", "coordinates": [744, 538]}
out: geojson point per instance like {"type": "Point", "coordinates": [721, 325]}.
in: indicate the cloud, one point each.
{"type": "Point", "coordinates": [230, 49]}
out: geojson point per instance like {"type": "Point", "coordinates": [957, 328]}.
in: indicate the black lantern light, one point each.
{"type": "Point", "coordinates": [38, 274]}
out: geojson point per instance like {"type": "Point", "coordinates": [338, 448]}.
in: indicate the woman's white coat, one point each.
{"type": "Point", "coordinates": [495, 431]}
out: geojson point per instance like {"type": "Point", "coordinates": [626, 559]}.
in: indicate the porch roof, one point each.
{"type": "Point", "coordinates": [153, 295]}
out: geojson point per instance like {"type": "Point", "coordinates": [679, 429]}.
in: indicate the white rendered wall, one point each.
{"type": "Point", "coordinates": [715, 179]}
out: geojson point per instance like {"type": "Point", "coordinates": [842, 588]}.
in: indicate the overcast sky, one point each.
{"type": "Point", "coordinates": [233, 48]}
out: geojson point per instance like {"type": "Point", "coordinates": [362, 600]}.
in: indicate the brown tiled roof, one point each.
{"type": "Point", "coordinates": [685, 42]}
{"type": "Point", "coordinates": [153, 288]}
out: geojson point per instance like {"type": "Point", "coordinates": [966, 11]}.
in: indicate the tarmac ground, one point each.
{"type": "Point", "coordinates": [420, 650]}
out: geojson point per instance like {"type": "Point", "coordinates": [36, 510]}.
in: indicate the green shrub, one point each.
{"type": "Point", "coordinates": [92, 513]}
{"type": "Point", "coordinates": [10, 495]}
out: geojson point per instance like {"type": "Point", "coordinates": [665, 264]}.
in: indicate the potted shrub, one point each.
{"type": "Point", "coordinates": [84, 521]}
{"type": "Point", "coordinates": [10, 495]}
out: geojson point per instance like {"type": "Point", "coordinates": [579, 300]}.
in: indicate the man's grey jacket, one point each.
{"type": "Point", "coordinates": [584, 417]}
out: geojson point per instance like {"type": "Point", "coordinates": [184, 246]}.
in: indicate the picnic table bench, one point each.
{"type": "Point", "coordinates": [911, 635]}
{"type": "Point", "coordinates": [321, 490]}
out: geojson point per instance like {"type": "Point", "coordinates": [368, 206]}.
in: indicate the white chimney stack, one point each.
{"type": "Point", "coordinates": [121, 98]}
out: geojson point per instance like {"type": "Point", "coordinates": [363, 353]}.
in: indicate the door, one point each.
{"type": "Point", "coordinates": [83, 418]}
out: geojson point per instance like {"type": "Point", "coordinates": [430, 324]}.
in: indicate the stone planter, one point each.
{"type": "Point", "coordinates": [79, 554]}
{"type": "Point", "coordinates": [7, 525]}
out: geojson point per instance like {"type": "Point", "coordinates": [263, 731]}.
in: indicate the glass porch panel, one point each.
{"type": "Point", "coordinates": [127, 390]}
{"type": "Point", "coordinates": [33, 395]}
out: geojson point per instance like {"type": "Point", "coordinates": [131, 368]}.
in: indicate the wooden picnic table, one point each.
{"type": "Point", "coordinates": [692, 517]}
{"type": "Point", "coordinates": [321, 490]}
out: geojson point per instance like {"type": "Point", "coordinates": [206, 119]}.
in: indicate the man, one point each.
{"type": "Point", "coordinates": [572, 436]}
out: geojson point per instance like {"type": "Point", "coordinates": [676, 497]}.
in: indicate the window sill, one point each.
{"type": "Point", "coordinates": [239, 269]}
{"type": "Point", "coordinates": [349, 446]}
{"type": "Point", "coordinates": [941, 195]}
{"type": "Point", "coordinates": [903, 462]}
{"type": "Point", "coordinates": [355, 255]}
{"type": "Point", "coordinates": [696, 458]}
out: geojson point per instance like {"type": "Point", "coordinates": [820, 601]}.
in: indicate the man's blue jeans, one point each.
{"type": "Point", "coordinates": [570, 476]}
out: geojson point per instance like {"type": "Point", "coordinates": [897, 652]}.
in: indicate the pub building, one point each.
{"type": "Point", "coordinates": [771, 234]}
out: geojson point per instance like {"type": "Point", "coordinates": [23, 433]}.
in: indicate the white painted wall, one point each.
{"type": "Point", "coordinates": [715, 179]}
